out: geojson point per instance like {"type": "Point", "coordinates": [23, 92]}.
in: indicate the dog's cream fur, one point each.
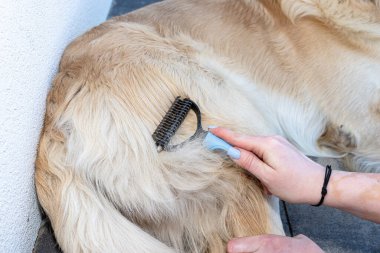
{"type": "Point", "coordinates": [305, 69]}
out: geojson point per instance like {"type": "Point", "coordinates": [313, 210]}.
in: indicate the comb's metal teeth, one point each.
{"type": "Point", "coordinates": [171, 121]}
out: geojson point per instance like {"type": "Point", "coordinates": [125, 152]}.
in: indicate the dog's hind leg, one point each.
{"type": "Point", "coordinates": [76, 200]}
{"type": "Point", "coordinates": [85, 221]}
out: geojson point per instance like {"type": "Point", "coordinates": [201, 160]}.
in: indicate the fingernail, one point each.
{"type": "Point", "coordinates": [212, 127]}
{"type": "Point", "coordinates": [233, 153]}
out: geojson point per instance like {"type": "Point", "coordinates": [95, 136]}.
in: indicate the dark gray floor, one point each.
{"type": "Point", "coordinates": [333, 230]}
{"type": "Point", "coordinates": [45, 242]}
{"type": "Point", "coordinates": [120, 7]}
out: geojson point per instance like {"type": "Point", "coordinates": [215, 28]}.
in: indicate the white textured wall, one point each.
{"type": "Point", "coordinates": [33, 34]}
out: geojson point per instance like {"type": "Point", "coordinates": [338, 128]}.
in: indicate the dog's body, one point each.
{"type": "Point", "coordinates": [307, 70]}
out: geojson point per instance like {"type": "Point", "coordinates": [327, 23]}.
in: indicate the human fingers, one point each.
{"type": "Point", "coordinates": [255, 144]}
{"type": "Point", "coordinates": [273, 244]}
{"type": "Point", "coordinates": [244, 244]}
{"type": "Point", "coordinates": [262, 244]}
{"type": "Point", "coordinates": [305, 244]}
{"type": "Point", "coordinates": [253, 164]}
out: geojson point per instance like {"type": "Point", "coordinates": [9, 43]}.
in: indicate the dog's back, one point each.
{"type": "Point", "coordinates": [294, 61]}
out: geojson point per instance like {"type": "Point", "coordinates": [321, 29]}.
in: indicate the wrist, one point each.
{"type": "Point", "coordinates": [326, 181]}
{"type": "Point", "coordinates": [334, 195]}
{"type": "Point", "coordinates": [315, 184]}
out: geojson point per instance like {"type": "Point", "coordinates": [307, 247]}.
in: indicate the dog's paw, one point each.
{"type": "Point", "coordinates": [338, 139]}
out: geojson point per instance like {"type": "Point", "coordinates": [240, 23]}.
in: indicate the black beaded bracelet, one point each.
{"type": "Point", "coordinates": [324, 187]}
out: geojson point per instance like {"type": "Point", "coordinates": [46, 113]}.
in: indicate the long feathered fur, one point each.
{"type": "Point", "coordinates": [308, 70]}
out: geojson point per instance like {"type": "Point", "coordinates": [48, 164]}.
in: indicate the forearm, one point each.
{"type": "Point", "coordinates": [357, 193]}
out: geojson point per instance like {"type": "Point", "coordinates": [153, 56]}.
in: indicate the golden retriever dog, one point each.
{"type": "Point", "coordinates": [308, 70]}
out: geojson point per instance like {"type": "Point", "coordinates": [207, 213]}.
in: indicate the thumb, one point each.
{"type": "Point", "coordinates": [252, 163]}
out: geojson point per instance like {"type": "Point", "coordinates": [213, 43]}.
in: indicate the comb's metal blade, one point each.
{"type": "Point", "coordinates": [171, 122]}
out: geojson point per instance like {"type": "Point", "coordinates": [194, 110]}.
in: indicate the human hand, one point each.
{"type": "Point", "coordinates": [273, 244]}
{"type": "Point", "coordinates": [281, 168]}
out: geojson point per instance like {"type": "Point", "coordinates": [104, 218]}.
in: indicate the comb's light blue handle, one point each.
{"type": "Point", "coordinates": [212, 143]}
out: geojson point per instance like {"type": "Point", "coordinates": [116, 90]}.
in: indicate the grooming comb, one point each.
{"type": "Point", "coordinates": [173, 120]}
